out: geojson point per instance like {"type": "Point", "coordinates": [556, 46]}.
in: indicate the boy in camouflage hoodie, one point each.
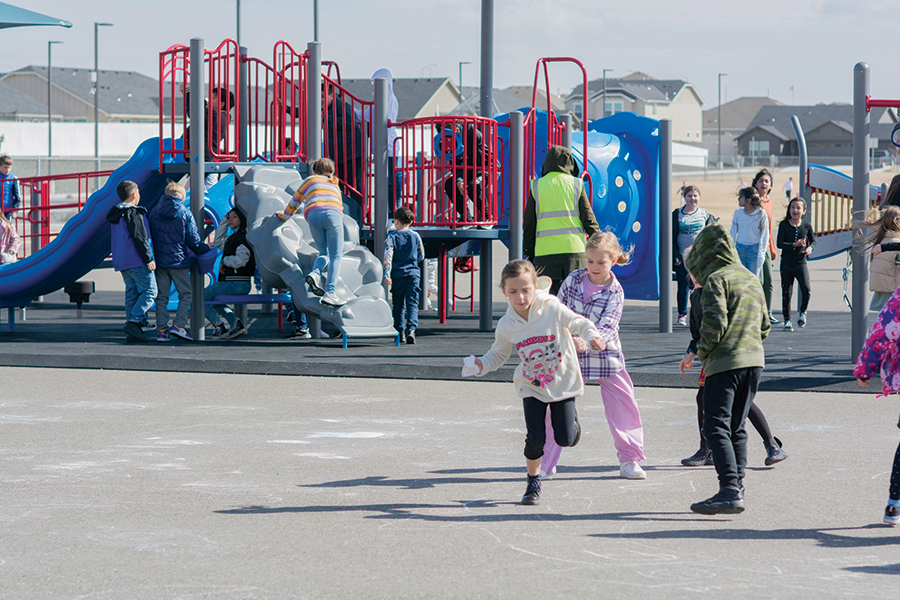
{"type": "Point", "coordinates": [735, 322]}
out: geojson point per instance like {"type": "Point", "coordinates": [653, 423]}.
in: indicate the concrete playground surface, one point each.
{"type": "Point", "coordinates": [126, 484]}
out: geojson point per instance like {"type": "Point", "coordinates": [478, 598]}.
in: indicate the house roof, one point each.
{"type": "Point", "coordinates": [638, 86]}
{"type": "Point", "coordinates": [412, 93]}
{"type": "Point", "coordinates": [525, 93]}
{"type": "Point", "coordinates": [504, 102]}
{"type": "Point", "coordinates": [121, 92]}
{"type": "Point", "coordinates": [737, 114]}
{"type": "Point", "coordinates": [813, 117]}
{"type": "Point", "coordinates": [16, 103]}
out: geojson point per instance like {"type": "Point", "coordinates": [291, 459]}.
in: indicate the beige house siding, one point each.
{"type": "Point", "coordinates": [64, 102]}
{"type": "Point", "coordinates": [445, 99]}
{"type": "Point", "coordinates": [686, 115]}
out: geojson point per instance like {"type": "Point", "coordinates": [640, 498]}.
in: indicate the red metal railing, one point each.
{"type": "Point", "coordinates": [455, 179]}
{"type": "Point", "coordinates": [223, 75]}
{"type": "Point", "coordinates": [32, 220]}
{"type": "Point", "coordinates": [262, 110]}
{"type": "Point", "coordinates": [347, 129]}
{"type": "Point", "coordinates": [291, 104]}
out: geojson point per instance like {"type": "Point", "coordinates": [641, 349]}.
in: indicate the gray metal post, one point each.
{"type": "Point", "coordinates": [420, 187]}
{"type": "Point", "coordinates": [314, 102]}
{"type": "Point", "coordinates": [804, 161]}
{"type": "Point", "coordinates": [665, 227]}
{"type": "Point", "coordinates": [379, 149]}
{"type": "Point", "coordinates": [244, 109]}
{"type": "Point", "coordinates": [859, 298]}
{"type": "Point", "coordinates": [567, 130]}
{"type": "Point", "coordinates": [198, 175]}
{"type": "Point", "coordinates": [516, 177]}
{"type": "Point", "coordinates": [487, 58]}
{"type": "Point", "coordinates": [485, 285]}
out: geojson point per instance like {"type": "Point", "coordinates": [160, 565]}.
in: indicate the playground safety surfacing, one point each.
{"type": "Point", "coordinates": [125, 484]}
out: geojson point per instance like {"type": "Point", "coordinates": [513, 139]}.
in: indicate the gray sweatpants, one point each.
{"type": "Point", "coordinates": [164, 280]}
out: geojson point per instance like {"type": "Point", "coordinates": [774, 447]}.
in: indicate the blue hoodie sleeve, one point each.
{"type": "Point", "coordinates": [192, 238]}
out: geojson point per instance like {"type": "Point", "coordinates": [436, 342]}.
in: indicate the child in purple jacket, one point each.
{"type": "Point", "coordinates": [595, 293]}
{"type": "Point", "coordinates": [880, 355]}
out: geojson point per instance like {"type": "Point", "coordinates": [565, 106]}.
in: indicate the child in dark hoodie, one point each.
{"type": "Point", "coordinates": [235, 271]}
{"type": "Point", "coordinates": [132, 254]}
{"type": "Point", "coordinates": [174, 231]}
{"type": "Point", "coordinates": [735, 322]}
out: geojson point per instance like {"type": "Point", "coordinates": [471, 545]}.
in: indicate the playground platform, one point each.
{"type": "Point", "coordinates": [814, 359]}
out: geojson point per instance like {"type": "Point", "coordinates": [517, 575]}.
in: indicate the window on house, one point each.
{"type": "Point", "coordinates": [577, 109]}
{"type": "Point", "coordinates": [614, 106]}
{"type": "Point", "coordinates": [759, 148]}
{"type": "Point", "coordinates": [654, 109]}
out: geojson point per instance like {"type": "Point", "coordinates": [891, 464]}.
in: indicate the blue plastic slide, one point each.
{"type": "Point", "coordinates": [84, 241]}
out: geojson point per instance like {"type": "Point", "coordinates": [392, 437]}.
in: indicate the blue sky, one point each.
{"type": "Point", "coordinates": [811, 45]}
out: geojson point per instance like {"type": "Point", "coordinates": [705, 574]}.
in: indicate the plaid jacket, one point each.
{"type": "Point", "coordinates": [605, 310]}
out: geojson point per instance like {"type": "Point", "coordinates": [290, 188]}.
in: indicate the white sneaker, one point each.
{"type": "Point", "coordinates": [332, 300]}
{"type": "Point", "coordinates": [802, 320]}
{"type": "Point", "coordinates": [787, 326]}
{"type": "Point", "coordinates": [682, 320]}
{"type": "Point", "coordinates": [631, 470]}
{"type": "Point", "coordinates": [545, 475]}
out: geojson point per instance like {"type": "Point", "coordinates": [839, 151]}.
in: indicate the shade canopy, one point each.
{"type": "Point", "coordinates": [13, 16]}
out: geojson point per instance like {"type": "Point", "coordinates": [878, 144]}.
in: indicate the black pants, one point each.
{"type": "Point", "coordinates": [562, 415]}
{"type": "Point", "coordinates": [461, 202]}
{"type": "Point", "coordinates": [683, 290]}
{"type": "Point", "coordinates": [788, 274]}
{"type": "Point", "coordinates": [755, 416]}
{"type": "Point", "coordinates": [727, 399]}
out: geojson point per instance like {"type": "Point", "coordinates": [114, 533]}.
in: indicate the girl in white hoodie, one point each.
{"type": "Point", "coordinates": [540, 329]}
{"type": "Point", "coordinates": [750, 230]}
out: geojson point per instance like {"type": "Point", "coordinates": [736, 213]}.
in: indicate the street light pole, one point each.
{"type": "Point", "coordinates": [97, 27]}
{"type": "Point", "coordinates": [238, 15]}
{"type": "Point", "coordinates": [719, 120]}
{"type": "Point", "coordinates": [603, 112]}
{"type": "Point", "coordinates": [50, 98]}
{"type": "Point", "coordinates": [460, 77]}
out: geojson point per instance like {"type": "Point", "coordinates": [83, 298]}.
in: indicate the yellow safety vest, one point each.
{"type": "Point", "coordinates": [559, 228]}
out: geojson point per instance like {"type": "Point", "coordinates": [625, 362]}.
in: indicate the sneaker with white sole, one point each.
{"type": "Point", "coordinates": [219, 331]}
{"type": "Point", "coordinates": [631, 470]}
{"type": "Point", "coordinates": [237, 331]}
{"type": "Point", "coordinates": [332, 300]}
{"type": "Point", "coordinates": [180, 333]}
{"type": "Point", "coordinates": [787, 326]}
{"type": "Point", "coordinates": [682, 320]}
{"type": "Point", "coordinates": [532, 495]}
{"type": "Point", "coordinates": [546, 475]}
{"type": "Point", "coordinates": [802, 320]}
{"type": "Point", "coordinates": [773, 319]}
{"type": "Point", "coordinates": [299, 333]}
{"type": "Point", "coordinates": [891, 515]}
{"type": "Point", "coordinates": [162, 335]}
{"type": "Point", "coordinates": [314, 281]}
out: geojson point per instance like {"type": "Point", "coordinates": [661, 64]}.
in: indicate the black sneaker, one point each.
{"type": "Point", "coordinates": [219, 331]}
{"type": "Point", "coordinates": [237, 331]}
{"type": "Point", "coordinates": [891, 515]}
{"type": "Point", "coordinates": [774, 453]}
{"type": "Point", "coordinates": [411, 336]}
{"type": "Point", "coordinates": [725, 502]}
{"type": "Point", "coordinates": [299, 333]}
{"type": "Point", "coordinates": [700, 458]}
{"type": "Point", "coordinates": [532, 491]}
{"type": "Point", "coordinates": [134, 330]}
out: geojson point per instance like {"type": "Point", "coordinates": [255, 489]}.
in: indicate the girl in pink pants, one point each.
{"type": "Point", "coordinates": [595, 293]}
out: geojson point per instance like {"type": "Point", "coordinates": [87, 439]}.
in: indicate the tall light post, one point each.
{"type": "Point", "coordinates": [96, 78]}
{"type": "Point", "coordinates": [238, 17]}
{"type": "Point", "coordinates": [603, 112]}
{"type": "Point", "coordinates": [50, 98]}
{"type": "Point", "coordinates": [315, 20]}
{"type": "Point", "coordinates": [460, 77]}
{"type": "Point", "coordinates": [422, 70]}
{"type": "Point", "coordinates": [719, 119]}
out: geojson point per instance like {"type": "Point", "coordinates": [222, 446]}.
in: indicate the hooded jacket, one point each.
{"type": "Point", "coordinates": [735, 317]}
{"type": "Point", "coordinates": [559, 160]}
{"type": "Point", "coordinates": [130, 236]}
{"type": "Point", "coordinates": [880, 355]}
{"type": "Point", "coordinates": [174, 231]}
{"type": "Point", "coordinates": [548, 364]}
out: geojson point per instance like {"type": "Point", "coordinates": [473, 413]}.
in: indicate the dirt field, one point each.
{"type": "Point", "coordinates": [718, 192]}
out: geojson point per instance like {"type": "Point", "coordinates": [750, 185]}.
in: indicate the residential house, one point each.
{"type": "Point", "coordinates": [828, 129]}
{"type": "Point", "coordinates": [736, 116]}
{"type": "Point", "coordinates": [417, 97]}
{"type": "Point", "coordinates": [125, 96]}
{"type": "Point", "coordinates": [671, 99]}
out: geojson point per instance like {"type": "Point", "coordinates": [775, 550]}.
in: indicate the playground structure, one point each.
{"type": "Point", "coordinates": [277, 116]}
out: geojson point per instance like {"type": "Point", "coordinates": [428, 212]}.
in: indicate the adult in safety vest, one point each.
{"type": "Point", "coordinates": [558, 218]}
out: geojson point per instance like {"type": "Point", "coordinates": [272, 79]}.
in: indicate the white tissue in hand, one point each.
{"type": "Point", "coordinates": [470, 369]}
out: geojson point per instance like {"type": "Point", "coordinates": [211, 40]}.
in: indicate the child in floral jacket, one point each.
{"type": "Point", "coordinates": [881, 355]}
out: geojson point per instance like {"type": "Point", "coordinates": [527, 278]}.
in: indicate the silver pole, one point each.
{"type": "Point", "coordinates": [314, 102]}
{"type": "Point", "coordinates": [97, 27]}
{"type": "Point", "coordinates": [665, 227]}
{"type": "Point", "coordinates": [804, 161]}
{"type": "Point", "coordinates": [567, 130]}
{"type": "Point", "coordinates": [487, 59]}
{"type": "Point", "coordinates": [379, 149]}
{"type": "Point", "coordinates": [238, 18]}
{"type": "Point", "coordinates": [516, 182]}
{"type": "Point", "coordinates": [244, 114]}
{"type": "Point", "coordinates": [315, 20]}
{"type": "Point", "coordinates": [860, 288]}
{"type": "Point", "coordinates": [198, 175]}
